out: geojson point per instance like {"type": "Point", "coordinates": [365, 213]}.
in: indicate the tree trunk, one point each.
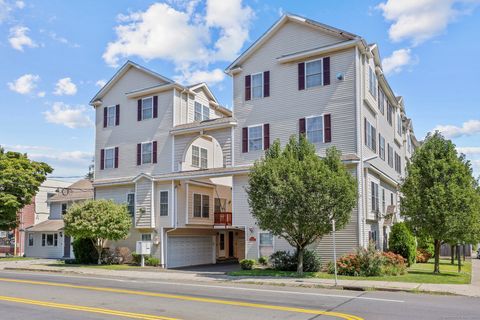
{"type": "Point", "coordinates": [437, 256]}
{"type": "Point", "coordinates": [452, 254]}
{"type": "Point", "coordinates": [464, 251]}
{"type": "Point", "coordinates": [300, 260]}
{"type": "Point", "coordinates": [459, 259]}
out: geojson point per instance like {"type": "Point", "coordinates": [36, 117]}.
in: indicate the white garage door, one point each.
{"type": "Point", "coordinates": [189, 251]}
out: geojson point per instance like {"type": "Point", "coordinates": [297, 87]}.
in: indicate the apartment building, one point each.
{"type": "Point", "coordinates": [181, 161]}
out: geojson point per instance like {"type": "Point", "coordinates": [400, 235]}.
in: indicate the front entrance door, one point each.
{"type": "Point", "coordinates": [230, 244]}
{"type": "Point", "coordinates": [221, 245]}
{"type": "Point", "coordinates": [66, 247]}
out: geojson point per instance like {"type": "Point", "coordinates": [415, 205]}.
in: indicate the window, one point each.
{"type": "Point", "coordinates": [220, 205]}
{"type": "Point", "coordinates": [203, 158]}
{"type": "Point", "coordinates": [265, 244]}
{"type": "Point", "coordinates": [389, 113]}
{"type": "Point", "coordinates": [255, 138]}
{"type": "Point", "coordinates": [201, 112]}
{"type": "Point", "coordinates": [314, 129]}
{"type": "Point", "coordinates": [199, 157]}
{"type": "Point", "coordinates": [371, 136]}
{"type": "Point", "coordinates": [201, 205]}
{"type": "Point", "coordinates": [111, 116]}
{"type": "Point", "coordinates": [163, 203]}
{"type": "Point", "coordinates": [313, 73]}
{"type": "Point", "coordinates": [381, 144]}
{"type": "Point", "coordinates": [64, 208]}
{"type": "Point", "coordinates": [147, 108]}
{"type": "Point", "coordinates": [399, 123]}
{"type": "Point", "coordinates": [372, 81]}
{"type": "Point", "coordinates": [109, 158]}
{"type": "Point", "coordinates": [147, 152]}
{"type": "Point", "coordinates": [131, 203]}
{"type": "Point", "coordinates": [398, 163]}
{"type": "Point", "coordinates": [146, 237]}
{"type": "Point", "coordinates": [257, 85]}
{"type": "Point", "coordinates": [49, 239]}
{"type": "Point", "coordinates": [381, 101]}
{"type": "Point", "coordinates": [195, 156]}
{"type": "Point", "coordinates": [375, 198]}
{"type": "Point", "coordinates": [383, 200]}
{"type": "Point", "coordinates": [390, 155]}
{"type": "Point", "coordinates": [30, 239]}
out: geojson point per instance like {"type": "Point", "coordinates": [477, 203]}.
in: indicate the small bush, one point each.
{"type": "Point", "coordinates": [263, 261]}
{"type": "Point", "coordinates": [124, 254]}
{"type": "Point", "coordinates": [283, 260]}
{"type": "Point", "coordinates": [84, 251]}
{"type": "Point", "coordinates": [402, 242]}
{"type": "Point", "coordinates": [348, 265]}
{"type": "Point", "coordinates": [136, 258]}
{"type": "Point", "coordinates": [422, 256]}
{"type": "Point", "coordinates": [110, 256]}
{"type": "Point", "coordinates": [311, 261]}
{"type": "Point", "coordinates": [393, 264]}
{"type": "Point", "coordinates": [426, 244]}
{"type": "Point", "coordinates": [247, 264]}
{"type": "Point", "coordinates": [152, 261]}
{"type": "Point", "coordinates": [364, 262]}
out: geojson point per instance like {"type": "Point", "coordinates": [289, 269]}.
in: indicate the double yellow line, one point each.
{"type": "Point", "coordinates": [340, 315]}
{"type": "Point", "coordinates": [111, 312]}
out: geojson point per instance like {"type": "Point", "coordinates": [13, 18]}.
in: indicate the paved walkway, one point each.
{"type": "Point", "coordinates": [472, 289]}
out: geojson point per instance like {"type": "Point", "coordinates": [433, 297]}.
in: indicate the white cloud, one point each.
{"type": "Point", "coordinates": [469, 150]}
{"type": "Point", "coordinates": [25, 84]}
{"type": "Point", "coordinates": [181, 32]}
{"type": "Point", "coordinates": [421, 20]}
{"type": "Point", "coordinates": [20, 4]}
{"type": "Point", "coordinates": [41, 94]}
{"type": "Point", "coordinates": [210, 77]}
{"type": "Point", "coordinates": [71, 117]}
{"type": "Point", "coordinates": [18, 38]}
{"type": "Point", "coordinates": [100, 83]}
{"type": "Point", "coordinates": [397, 61]}
{"type": "Point", "coordinates": [65, 86]}
{"type": "Point", "coordinates": [468, 128]}
{"type": "Point", "coordinates": [7, 7]}
{"type": "Point", "coordinates": [63, 40]}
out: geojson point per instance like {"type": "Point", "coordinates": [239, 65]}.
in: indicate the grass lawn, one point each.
{"type": "Point", "coordinates": [15, 259]}
{"type": "Point", "coordinates": [418, 273]}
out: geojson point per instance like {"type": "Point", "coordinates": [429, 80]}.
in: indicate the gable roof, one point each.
{"type": "Point", "coordinates": [80, 190]}
{"type": "Point", "coordinates": [277, 25]}
{"type": "Point", "coordinates": [211, 96]}
{"type": "Point", "coordinates": [129, 64]}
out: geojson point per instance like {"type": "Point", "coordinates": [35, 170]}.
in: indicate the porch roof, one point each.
{"type": "Point", "coordinates": [47, 226]}
{"type": "Point", "coordinates": [211, 124]}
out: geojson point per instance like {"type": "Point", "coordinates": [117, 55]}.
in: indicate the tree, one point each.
{"type": "Point", "coordinates": [402, 242]}
{"type": "Point", "coordinates": [295, 194]}
{"type": "Point", "coordinates": [20, 179]}
{"type": "Point", "coordinates": [439, 194]}
{"type": "Point", "coordinates": [98, 220]}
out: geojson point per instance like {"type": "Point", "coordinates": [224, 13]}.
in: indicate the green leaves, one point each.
{"type": "Point", "coordinates": [294, 193]}
{"type": "Point", "coordinates": [20, 179]}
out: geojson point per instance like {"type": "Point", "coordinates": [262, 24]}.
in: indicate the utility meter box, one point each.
{"type": "Point", "coordinates": [144, 247]}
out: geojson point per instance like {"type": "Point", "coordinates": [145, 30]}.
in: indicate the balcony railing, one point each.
{"type": "Point", "coordinates": [223, 218]}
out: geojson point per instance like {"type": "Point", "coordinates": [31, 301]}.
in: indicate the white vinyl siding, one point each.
{"type": "Point", "coordinates": [147, 108]}
{"type": "Point", "coordinates": [111, 116]}
{"type": "Point", "coordinates": [314, 129]}
{"type": "Point", "coordinates": [109, 158]}
{"type": "Point", "coordinates": [163, 203]}
{"type": "Point", "coordinates": [255, 138]}
{"type": "Point", "coordinates": [313, 73]}
{"type": "Point", "coordinates": [257, 86]}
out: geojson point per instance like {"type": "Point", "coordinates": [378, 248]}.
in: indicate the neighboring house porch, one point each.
{"type": "Point", "coordinates": [48, 240]}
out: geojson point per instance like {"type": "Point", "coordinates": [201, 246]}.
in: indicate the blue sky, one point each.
{"type": "Point", "coordinates": [55, 54]}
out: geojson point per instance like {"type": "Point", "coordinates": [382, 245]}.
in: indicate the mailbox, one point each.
{"type": "Point", "coordinates": [144, 247]}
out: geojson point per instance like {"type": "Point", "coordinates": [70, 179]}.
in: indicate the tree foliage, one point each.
{"type": "Point", "coordinates": [99, 220]}
{"type": "Point", "coordinates": [20, 179]}
{"type": "Point", "coordinates": [295, 194]}
{"type": "Point", "coordinates": [440, 194]}
{"type": "Point", "coordinates": [402, 242]}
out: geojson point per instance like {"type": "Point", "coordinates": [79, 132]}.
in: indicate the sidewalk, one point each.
{"type": "Point", "coordinates": [472, 290]}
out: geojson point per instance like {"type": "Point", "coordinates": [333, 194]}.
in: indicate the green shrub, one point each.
{"type": "Point", "coordinates": [152, 261]}
{"type": "Point", "coordinates": [422, 256]}
{"type": "Point", "coordinates": [393, 264]}
{"type": "Point", "coordinates": [402, 242]}
{"type": "Point", "coordinates": [311, 261]}
{"type": "Point", "coordinates": [285, 261]}
{"type": "Point", "coordinates": [348, 265]}
{"type": "Point", "coordinates": [364, 262]}
{"type": "Point", "coordinates": [137, 258]}
{"type": "Point", "coordinates": [84, 251]}
{"type": "Point", "coordinates": [426, 244]}
{"type": "Point", "coordinates": [247, 264]}
{"type": "Point", "coordinates": [263, 260]}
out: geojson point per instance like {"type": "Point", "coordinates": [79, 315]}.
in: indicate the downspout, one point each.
{"type": "Point", "coordinates": [358, 95]}
{"type": "Point", "coordinates": [174, 224]}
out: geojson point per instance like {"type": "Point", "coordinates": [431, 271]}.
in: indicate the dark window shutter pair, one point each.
{"type": "Point", "coordinates": [266, 136]}
{"type": "Point", "coordinates": [266, 84]}
{"type": "Point", "coordinates": [154, 152]}
{"type": "Point", "coordinates": [105, 111]}
{"type": "Point", "coordinates": [248, 87]}
{"type": "Point", "coordinates": [327, 127]}
{"type": "Point", "coordinates": [155, 106]}
{"type": "Point", "coordinates": [102, 159]}
{"type": "Point", "coordinates": [326, 73]}
{"type": "Point", "coordinates": [139, 110]}
{"type": "Point", "coordinates": [116, 157]}
{"type": "Point", "coordinates": [244, 139]}
{"type": "Point", "coordinates": [117, 115]}
{"type": "Point", "coordinates": [139, 153]}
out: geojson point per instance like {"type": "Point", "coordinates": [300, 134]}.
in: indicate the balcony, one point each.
{"type": "Point", "coordinates": [223, 218]}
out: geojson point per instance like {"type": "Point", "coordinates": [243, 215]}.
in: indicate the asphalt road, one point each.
{"type": "Point", "coordinates": [55, 296]}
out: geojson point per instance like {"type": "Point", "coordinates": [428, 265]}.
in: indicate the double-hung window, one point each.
{"type": "Point", "coordinates": [201, 205]}
{"type": "Point", "coordinates": [381, 100]}
{"type": "Point", "coordinates": [314, 129]}
{"type": "Point", "coordinates": [265, 244]}
{"type": "Point", "coordinates": [64, 208]}
{"type": "Point", "coordinates": [383, 200]}
{"type": "Point", "coordinates": [30, 239]}
{"type": "Point", "coordinates": [381, 145]}
{"type": "Point", "coordinates": [205, 113]}
{"type": "Point", "coordinates": [313, 73]}
{"type": "Point", "coordinates": [255, 138]}
{"type": "Point", "coordinates": [163, 203]}
{"type": "Point", "coordinates": [201, 112]}
{"type": "Point", "coordinates": [398, 163]}
{"type": "Point", "coordinates": [399, 123]}
{"type": "Point", "coordinates": [372, 83]}
{"type": "Point", "coordinates": [111, 116]}
{"type": "Point", "coordinates": [147, 152]}
{"type": "Point", "coordinates": [371, 136]}
{"type": "Point", "coordinates": [147, 108]}
{"type": "Point", "coordinates": [131, 203]}
{"type": "Point", "coordinates": [257, 85]}
{"type": "Point", "coordinates": [390, 155]}
{"type": "Point", "coordinates": [389, 113]}
{"type": "Point", "coordinates": [375, 198]}
{"type": "Point", "coordinates": [146, 237]}
{"type": "Point", "coordinates": [49, 239]}
{"type": "Point", "coordinates": [109, 158]}
{"type": "Point", "coordinates": [195, 156]}
{"type": "Point", "coordinates": [203, 158]}
{"type": "Point", "coordinates": [199, 157]}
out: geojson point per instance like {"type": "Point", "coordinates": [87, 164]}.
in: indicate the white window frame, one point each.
{"type": "Point", "coordinates": [381, 147]}
{"type": "Point", "coordinates": [399, 124]}
{"type": "Point", "coordinates": [389, 113]}
{"type": "Point", "coordinates": [372, 82]}
{"type": "Point", "coordinates": [105, 158]}
{"type": "Point", "coordinates": [203, 158]}
{"type": "Point", "coordinates": [144, 235]}
{"type": "Point", "coordinates": [45, 241]}
{"type": "Point", "coordinates": [195, 157]}
{"type": "Point", "coordinates": [31, 239]}
{"type": "Point", "coordinates": [322, 130]}
{"type": "Point", "coordinates": [383, 200]}
{"type": "Point", "coordinates": [128, 206]}
{"type": "Point", "coordinates": [260, 239]}
{"type": "Point", "coordinates": [205, 112]}
{"type": "Point", "coordinates": [143, 99]}
{"type": "Point", "coordinates": [253, 97]}
{"type": "Point", "coordinates": [371, 136]}
{"type": "Point", "coordinates": [381, 100]}
{"type": "Point", "coordinates": [197, 114]}
{"type": "Point", "coordinates": [321, 73]}
{"type": "Point", "coordinates": [201, 205]}
{"type": "Point", "coordinates": [197, 160]}
{"type": "Point", "coordinates": [114, 120]}
{"type": "Point", "coordinates": [375, 198]}
{"type": "Point", "coordinates": [249, 136]}
{"type": "Point", "coordinates": [160, 203]}
{"type": "Point", "coordinates": [151, 153]}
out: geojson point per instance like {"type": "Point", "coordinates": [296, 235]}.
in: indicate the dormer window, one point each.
{"type": "Point", "coordinates": [202, 112]}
